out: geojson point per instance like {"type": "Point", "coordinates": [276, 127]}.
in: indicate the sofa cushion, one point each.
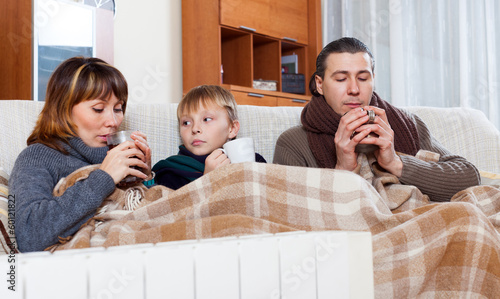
{"type": "Point", "coordinates": [7, 241]}
{"type": "Point", "coordinates": [491, 179]}
{"type": "Point", "coordinates": [159, 123]}
{"type": "Point", "coordinates": [265, 125]}
{"type": "Point", "coordinates": [466, 132]}
{"type": "Point", "coordinates": [17, 120]}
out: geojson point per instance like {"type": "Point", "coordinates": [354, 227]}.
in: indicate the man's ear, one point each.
{"type": "Point", "coordinates": [319, 84]}
{"type": "Point", "coordinates": [235, 127]}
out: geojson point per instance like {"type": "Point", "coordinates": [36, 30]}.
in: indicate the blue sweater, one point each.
{"type": "Point", "coordinates": [41, 217]}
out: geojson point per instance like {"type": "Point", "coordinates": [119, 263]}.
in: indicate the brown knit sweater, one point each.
{"type": "Point", "coordinates": [440, 180]}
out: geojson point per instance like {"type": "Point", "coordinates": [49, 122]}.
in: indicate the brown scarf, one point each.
{"type": "Point", "coordinates": [321, 124]}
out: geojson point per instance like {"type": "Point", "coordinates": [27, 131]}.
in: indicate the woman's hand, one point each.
{"type": "Point", "coordinates": [215, 160]}
{"type": "Point", "coordinates": [141, 142]}
{"type": "Point", "coordinates": [119, 160]}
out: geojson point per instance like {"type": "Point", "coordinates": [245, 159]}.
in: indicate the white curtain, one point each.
{"type": "Point", "coordinates": [440, 53]}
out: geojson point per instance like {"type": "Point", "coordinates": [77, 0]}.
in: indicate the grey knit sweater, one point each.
{"type": "Point", "coordinates": [439, 180]}
{"type": "Point", "coordinates": [41, 217]}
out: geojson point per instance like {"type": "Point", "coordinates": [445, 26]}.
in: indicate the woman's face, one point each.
{"type": "Point", "coordinates": [95, 119]}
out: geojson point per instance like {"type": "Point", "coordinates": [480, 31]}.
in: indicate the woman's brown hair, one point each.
{"type": "Point", "coordinates": [75, 80]}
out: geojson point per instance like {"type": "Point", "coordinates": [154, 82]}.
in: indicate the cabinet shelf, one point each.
{"type": "Point", "coordinates": [236, 57]}
{"type": "Point", "coordinates": [247, 56]}
{"type": "Point", "coordinates": [226, 44]}
{"type": "Point", "coordinates": [266, 59]}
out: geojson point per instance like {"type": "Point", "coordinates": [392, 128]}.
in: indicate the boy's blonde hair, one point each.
{"type": "Point", "coordinates": [207, 95]}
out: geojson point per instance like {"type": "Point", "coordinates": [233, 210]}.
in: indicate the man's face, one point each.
{"type": "Point", "coordinates": [348, 81]}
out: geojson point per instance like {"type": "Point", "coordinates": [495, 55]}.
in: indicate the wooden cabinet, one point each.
{"type": "Point", "coordinates": [281, 19]}
{"type": "Point", "coordinates": [286, 101]}
{"type": "Point", "coordinates": [251, 96]}
{"type": "Point", "coordinates": [289, 20]}
{"type": "Point", "coordinates": [250, 15]}
{"type": "Point", "coordinates": [234, 42]}
{"type": "Point", "coordinates": [15, 50]}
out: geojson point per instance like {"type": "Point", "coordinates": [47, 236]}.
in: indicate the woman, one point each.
{"type": "Point", "coordinates": [85, 101]}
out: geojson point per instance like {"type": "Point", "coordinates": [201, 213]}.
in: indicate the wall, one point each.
{"type": "Point", "coordinates": [148, 49]}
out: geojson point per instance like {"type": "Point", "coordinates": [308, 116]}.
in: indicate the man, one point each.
{"type": "Point", "coordinates": [336, 121]}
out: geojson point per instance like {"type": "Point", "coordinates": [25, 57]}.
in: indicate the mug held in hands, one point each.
{"type": "Point", "coordinates": [367, 148]}
{"type": "Point", "coordinates": [113, 140]}
{"type": "Point", "coordinates": [240, 150]}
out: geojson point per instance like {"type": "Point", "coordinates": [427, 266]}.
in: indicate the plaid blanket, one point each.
{"type": "Point", "coordinates": [419, 248]}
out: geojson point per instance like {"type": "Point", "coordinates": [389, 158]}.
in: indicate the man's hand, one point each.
{"type": "Point", "coordinates": [355, 121]}
{"type": "Point", "coordinates": [385, 154]}
{"type": "Point", "coordinates": [344, 145]}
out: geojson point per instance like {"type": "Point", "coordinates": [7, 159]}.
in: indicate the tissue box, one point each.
{"type": "Point", "coordinates": [265, 84]}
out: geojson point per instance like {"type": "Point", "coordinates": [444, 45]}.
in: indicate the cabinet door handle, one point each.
{"type": "Point", "coordinates": [251, 94]}
{"type": "Point", "coordinates": [290, 39]}
{"type": "Point", "coordinates": [248, 28]}
{"type": "Point", "coordinates": [298, 101]}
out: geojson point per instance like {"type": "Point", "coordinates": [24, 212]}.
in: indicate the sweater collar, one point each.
{"type": "Point", "coordinates": [184, 151]}
{"type": "Point", "coordinates": [92, 155]}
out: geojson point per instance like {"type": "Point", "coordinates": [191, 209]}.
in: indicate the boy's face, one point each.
{"type": "Point", "coordinates": [206, 129]}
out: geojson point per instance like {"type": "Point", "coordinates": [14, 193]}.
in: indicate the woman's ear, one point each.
{"type": "Point", "coordinates": [235, 127]}
{"type": "Point", "coordinates": [319, 84]}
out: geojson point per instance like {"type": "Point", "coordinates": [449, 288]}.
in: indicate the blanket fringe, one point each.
{"type": "Point", "coordinates": [133, 198]}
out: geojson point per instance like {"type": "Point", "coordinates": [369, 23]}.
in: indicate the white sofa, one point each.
{"type": "Point", "coordinates": [466, 132]}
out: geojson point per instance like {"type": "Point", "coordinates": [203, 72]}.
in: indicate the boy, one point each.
{"type": "Point", "coordinates": [207, 119]}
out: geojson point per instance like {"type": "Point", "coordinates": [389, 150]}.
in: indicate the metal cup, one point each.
{"type": "Point", "coordinates": [115, 139]}
{"type": "Point", "coordinates": [367, 148]}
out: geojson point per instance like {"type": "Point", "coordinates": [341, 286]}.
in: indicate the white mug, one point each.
{"type": "Point", "coordinates": [240, 150]}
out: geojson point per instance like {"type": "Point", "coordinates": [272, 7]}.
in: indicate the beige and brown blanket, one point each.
{"type": "Point", "coordinates": [420, 249]}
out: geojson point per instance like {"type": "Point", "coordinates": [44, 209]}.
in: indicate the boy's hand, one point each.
{"type": "Point", "coordinates": [215, 160]}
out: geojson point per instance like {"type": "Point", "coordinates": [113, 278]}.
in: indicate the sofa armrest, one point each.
{"type": "Point", "coordinates": [466, 132]}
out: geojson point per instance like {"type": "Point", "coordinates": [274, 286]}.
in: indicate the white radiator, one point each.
{"type": "Point", "coordinates": [289, 265]}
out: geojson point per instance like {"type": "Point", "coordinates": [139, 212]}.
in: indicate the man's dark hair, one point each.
{"type": "Point", "coordinates": [343, 45]}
